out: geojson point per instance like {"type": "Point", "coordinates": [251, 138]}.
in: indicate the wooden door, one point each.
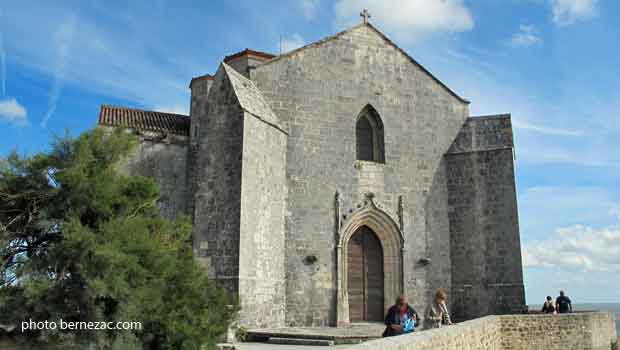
{"type": "Point", "coordinates": [365, 276]}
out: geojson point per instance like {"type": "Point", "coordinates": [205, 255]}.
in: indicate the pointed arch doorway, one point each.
{"type": "Point", "coordinates": [391, 242]}
{"type": "Point", "coordinates": [365, 276]}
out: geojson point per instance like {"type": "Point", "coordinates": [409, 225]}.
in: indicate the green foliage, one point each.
{"type": "Point", "coordinates": [79, 241]}
{"type": "Point", "coordinates": [241, 334]}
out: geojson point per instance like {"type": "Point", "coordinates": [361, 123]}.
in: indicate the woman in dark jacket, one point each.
{"type": "Point", "coordinates": [401, 318]}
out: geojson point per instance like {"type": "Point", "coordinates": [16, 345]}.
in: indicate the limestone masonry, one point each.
{"type": "Point", "coordinates": [582, 331]}
{"type": "Point", "coordinates": [325, 181]}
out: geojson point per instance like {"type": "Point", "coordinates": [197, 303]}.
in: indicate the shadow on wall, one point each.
{"type": "Point", "coordinates": [437, 235]}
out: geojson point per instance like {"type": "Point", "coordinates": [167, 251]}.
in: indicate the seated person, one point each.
{"type": "Point", "coordinates": [401, 318]}
{"type": "Point", "coordinates": [563, 304]}
{"type": "Point", "coordinates": [548, 307]}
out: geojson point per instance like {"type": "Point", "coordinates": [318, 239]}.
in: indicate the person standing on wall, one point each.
{"type": "Point", "coordinates": [548, 306]}
{"type": "Point", "coordinates": [563, 303]}
{"type": "Point", "coordinates": [437, 314]}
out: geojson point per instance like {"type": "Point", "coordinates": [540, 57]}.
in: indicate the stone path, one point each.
{"type": "Point", "coordinates": [353, 333]}
{"type": "Point", "coordinates": [343, 337]}
{"type": "Point", "coordinates": [266, 346]}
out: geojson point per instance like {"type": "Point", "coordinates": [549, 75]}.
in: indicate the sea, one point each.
{"type": "Point", "coordinates": [610, 307]}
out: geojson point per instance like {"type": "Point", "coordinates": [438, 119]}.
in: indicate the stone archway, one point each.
{"type": "Point", "coordinates": [365, 276]}
{"type": "Point", "coordinates": [391, 239]}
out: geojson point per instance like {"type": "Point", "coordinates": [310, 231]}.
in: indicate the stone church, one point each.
{"type": "Point", "coordinates": [326, 181]}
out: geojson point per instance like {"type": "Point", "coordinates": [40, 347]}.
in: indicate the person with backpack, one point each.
{"type": "Point", "coordinates": [548, 306]}
{"type": "Point", "coordinates": [401, 318]}
{"type": "Point", "coordinates": [563, 303]}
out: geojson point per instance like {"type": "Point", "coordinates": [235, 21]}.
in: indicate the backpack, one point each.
{"type": "Point", "coordinates": [409, 326]}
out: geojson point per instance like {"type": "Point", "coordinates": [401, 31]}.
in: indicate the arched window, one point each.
{"type": "Point", "coordinates": [369, 136]}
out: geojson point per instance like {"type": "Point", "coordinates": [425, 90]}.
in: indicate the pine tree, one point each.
{"type": "Point", "coordinates": [80, 241]}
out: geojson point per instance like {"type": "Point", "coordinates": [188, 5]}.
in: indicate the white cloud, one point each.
{"type": "Point", "coordinates": [570, 11]}
{"type": "Point", "coordinates": [615, 211]}
{"type": "Point", "coordinates": [130, 60]}
{"type": "Point", "coordinates": [293, 42]}
{"type": "Point", "coordinates": [176, 109]}
{"type": "Point", "coordinates": [557, 202]}
{"type": "Point", "coordinates": [309, 8]}
{"type": "Point", "coordinates": [13, 112]}
{"type": "Point", "coordinates": [571, 241]}
{"type": "Point", "coordinates": [541, 129]}
{"type": "Point", "coordinates": [526, 36]}
{"type": "Point", "coordinates": [546, 129]}
{"type": "Point", "coordinates": [577, 248]}
{"type": "Point", "coordinates": [408, 19]}
{"type": "Point", "coordinates": [533, 155]}
{"type": "Point", "coordinates": [542, 209]}
{"type": "Point", "coordinates": [62, 40]}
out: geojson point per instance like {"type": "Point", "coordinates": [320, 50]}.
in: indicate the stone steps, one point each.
{"type": "Point", "coordinates": [317, 335]}
{"type": "Point", "coordinates": [300, 341]}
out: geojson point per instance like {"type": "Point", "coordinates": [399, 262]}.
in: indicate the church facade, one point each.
{"type": "Point", "coordinates": [326, 181]}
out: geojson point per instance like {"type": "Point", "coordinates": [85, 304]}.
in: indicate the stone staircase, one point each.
{"type": "Point", "coordinates": [318, 336]}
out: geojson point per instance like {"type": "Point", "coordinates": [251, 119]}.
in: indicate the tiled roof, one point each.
{"type": "Point", "coordinates": [202, 77]}
{"type": "Point", "coordinates": [144, 120]}
{"type": "Point", "coordinates": [249, 52]}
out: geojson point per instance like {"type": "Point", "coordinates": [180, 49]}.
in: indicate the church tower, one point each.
{"type": "Point", "coordinates": [240, 196]}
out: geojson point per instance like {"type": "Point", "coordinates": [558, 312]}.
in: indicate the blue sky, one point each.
{"type": "Point", "coordinates": [553, 64]}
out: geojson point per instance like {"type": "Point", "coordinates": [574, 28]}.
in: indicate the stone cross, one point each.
{"type": "Point", "coordinates": [365, 15]}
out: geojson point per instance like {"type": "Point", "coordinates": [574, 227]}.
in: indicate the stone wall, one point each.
{"type": "Point", "coordinates": [591, 331]}
{"type": "Point", "coordinates": [485, 246]}
{"type": "Point", "coordinates": [484, 133]}
{"type": "Point", "coordinates": [198, 105]}
{"type": "Point", "coordinates": [579, 331]}
{"type": "Point", "coordinates": [218, 184]}
{"type": "Point", "coordinates": [318, 93]}
{"type": "Point", "coordinates": [245, 63]}
{"type": "Point", "coordinates": [263, 205]}
{"type": "Point", "coordinates": [165, 161]}
{"type": "Point", "coordinates": [479, 334]}
{"type": "Point", "coordinates": [240, 200]}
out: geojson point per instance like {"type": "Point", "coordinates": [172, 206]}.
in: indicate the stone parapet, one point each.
{"type": "Point", "coordinates": [587, 331]}
{"type": "Point", "coordinates": [485, 133]}
{"type": "Point", "coordinates": [592, 330]}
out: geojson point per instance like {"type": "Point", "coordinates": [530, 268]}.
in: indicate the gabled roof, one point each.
{"type": "Point", "coordinates": [390, 42]}
{"type": "Point", "coordinates": [250, 98]}
{"type": "Point", "coordinates": [141, 120]}
{"type": "Point", "coordinates": [249, 52]}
